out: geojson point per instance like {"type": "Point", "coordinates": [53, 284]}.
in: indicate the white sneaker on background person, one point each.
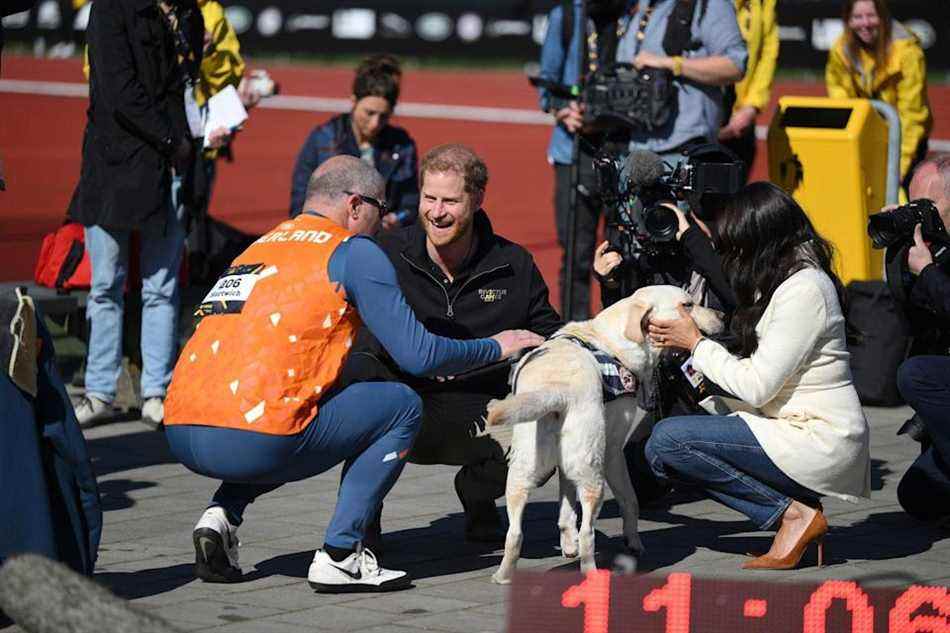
{"type": "Point", "coordinates": [91, 411]}
{"type": "Point", "coordinates": [216, 547]}
{"type": "Point", "coordinates": [153, 412]}
{"type": "Point", "coordinates": [358, 572]}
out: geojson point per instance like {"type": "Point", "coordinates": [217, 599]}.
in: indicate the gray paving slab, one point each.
{"type": "Point", "coordinates": [151, 504]}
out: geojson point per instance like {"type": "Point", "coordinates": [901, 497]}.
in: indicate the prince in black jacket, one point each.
{"type": "Point", "coordinates": [462, 281]}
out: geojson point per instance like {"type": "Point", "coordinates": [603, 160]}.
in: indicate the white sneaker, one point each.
{"type": "Point", "coordinates": [153, 412]}
{"type": "Point", "coordinates": [216, 547]}
{"type": "Point", "coordinates": [91, 411]}
{"type": "Point", "coordinates": [358, 572]}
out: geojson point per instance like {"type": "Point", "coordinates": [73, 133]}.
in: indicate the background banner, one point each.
{"type": "Point", "coordinates": [508, 29]}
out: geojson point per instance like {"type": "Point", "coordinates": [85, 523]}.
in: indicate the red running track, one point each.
{"type": "Point", "coordinates": [40, 139]}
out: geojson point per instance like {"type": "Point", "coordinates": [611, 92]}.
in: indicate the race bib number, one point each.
{"type": "Point", "coordinates": [231, 291]}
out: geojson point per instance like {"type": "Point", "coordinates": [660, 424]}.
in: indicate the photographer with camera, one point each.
{"type": "Point", "coordinates": [924, 381]}
{"type": "Point", "coordinates": [652, 240]}
{"type": "Point", "coordinates": [560, 64]}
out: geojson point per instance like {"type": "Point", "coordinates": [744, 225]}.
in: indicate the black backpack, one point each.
{"type": "Point", "coordinates": [882, 343]}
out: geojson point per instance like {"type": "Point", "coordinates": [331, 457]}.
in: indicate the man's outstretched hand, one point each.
{"type": "Point", "coordinates": [513, 341]}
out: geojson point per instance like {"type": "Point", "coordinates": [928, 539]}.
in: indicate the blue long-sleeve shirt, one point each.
{"type": "Point", "coordinates": [369, 279]}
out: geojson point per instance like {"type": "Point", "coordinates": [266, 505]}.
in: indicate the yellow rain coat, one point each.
{"type": "Point", "coordinates": [221, 64]}
{"type": "Point", "coordinates": [759, 26]}
{"type": "Point", "coordinates": [901, 82]}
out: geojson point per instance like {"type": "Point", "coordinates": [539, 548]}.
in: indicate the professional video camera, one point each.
{"type": "Point", "coordinates": [637, 188]}
{"type": "Point", "coordinates": [894, 231]}
{"type": "Point", "coordinates": [618, 96]}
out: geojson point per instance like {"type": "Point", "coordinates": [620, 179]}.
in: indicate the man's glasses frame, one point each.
{"type": "Point", "coordinates": [379, 204]}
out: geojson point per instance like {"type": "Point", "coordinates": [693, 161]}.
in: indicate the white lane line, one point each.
{"type": "Point", "coordinates": [324, 104]}
{"type": "Point", "coordinates": [317, 104]}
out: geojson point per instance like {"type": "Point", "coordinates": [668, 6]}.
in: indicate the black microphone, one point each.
{"type": "Point", "coordinates": [642, 168]}
{"type": "Point", "coordinates": [43, 596]}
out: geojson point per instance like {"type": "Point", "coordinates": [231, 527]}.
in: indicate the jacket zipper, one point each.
{"type": "Point", "coordinates": [425, 272]}
{"type": "Point", "coordinates": [449, 302]}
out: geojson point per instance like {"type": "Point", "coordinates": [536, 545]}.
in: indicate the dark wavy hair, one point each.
{"type": "Point", "coordinates": [764, 237]}
{"type": "Point", "coordinates": [378, 76]}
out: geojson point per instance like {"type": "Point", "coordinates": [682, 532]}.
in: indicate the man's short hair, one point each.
{"type": "Point", "coordinates": [344, 173]}
{"type": "Point", "coordinates": [459, 159]}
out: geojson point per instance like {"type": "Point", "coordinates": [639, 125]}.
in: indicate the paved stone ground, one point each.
{"type": "Point", "coordinates": [151, 504]}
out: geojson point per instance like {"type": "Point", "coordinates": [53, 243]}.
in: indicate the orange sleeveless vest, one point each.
{"type": "Point", "coordinates": [273, 336]}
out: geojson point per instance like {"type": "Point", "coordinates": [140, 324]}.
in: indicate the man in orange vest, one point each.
{"type": "Point", "coordinates": [254, 399]}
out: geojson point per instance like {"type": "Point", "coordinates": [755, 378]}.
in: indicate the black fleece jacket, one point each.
{"type": "Point", "coordinates": [499, 288]}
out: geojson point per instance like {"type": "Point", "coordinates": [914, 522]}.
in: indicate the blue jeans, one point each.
{"type": "Point", "coordinates": [160, 260]}
{"type": "Point", "coordinates": [924, 490]}
{"type": "Point", "coordinates": [721, 455]}
{"type": "Point", "coordinates": [368, 426]}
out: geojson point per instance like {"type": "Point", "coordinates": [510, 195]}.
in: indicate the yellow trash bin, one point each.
{"type": "Point", "coordinates": [831, 156]}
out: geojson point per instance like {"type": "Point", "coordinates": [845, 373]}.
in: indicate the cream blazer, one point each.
{"type": "Point", "coordinates": [809, 420]}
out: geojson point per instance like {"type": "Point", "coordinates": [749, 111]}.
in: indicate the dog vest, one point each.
{"type": "Point", "coordinates": [273, 336]}
{"type": "Point", "coordinates": [616, 379]}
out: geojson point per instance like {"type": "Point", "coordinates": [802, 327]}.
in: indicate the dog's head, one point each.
{"type": "Point", "coordinates": [663, 302]}
{"type": "Point", "coordinates": [625, 322]}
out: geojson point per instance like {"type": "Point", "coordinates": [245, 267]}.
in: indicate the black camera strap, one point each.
{"type": "Point", "coordinates": [678, 36]}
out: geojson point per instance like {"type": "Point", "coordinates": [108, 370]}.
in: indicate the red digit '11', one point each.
{"type": "Point", "coordinates": [674, 596]}
{"type": "Point", "coordinates": [594, 593]}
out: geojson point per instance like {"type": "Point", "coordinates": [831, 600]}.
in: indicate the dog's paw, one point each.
{"type": "Point", "coordinates": [500, 579]}
{"type": "Point", "coordinates": [624, 564]}
{"type": "Point", "coordinates": [494, 413]}
{"type": "Point", "coordinates": [569, 545]}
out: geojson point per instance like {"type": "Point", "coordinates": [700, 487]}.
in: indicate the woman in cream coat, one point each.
{"type": "Point", "coordinates": [805, 435]}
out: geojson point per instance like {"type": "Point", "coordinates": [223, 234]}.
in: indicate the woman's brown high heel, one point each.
{"type": "Point", "coordinates": [815, 532]}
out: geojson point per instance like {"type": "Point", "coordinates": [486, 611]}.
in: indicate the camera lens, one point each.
{"type": "Point", "coordinates": [660, 223]}
{"type": "Point", "coordinates": [881, 230]}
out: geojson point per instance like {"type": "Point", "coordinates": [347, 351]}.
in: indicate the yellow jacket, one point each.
{"type": "Point", "coordinates": [222, 64]}
{"type": "Point", "coordinates": [902, 83]}
{"type": "Point", "coordinates": [759, 26]}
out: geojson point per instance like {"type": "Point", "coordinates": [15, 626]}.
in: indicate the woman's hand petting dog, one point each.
{"type": "Point", "coordinates": [680, 333]}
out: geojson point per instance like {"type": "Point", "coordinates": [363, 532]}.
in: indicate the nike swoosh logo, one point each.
{"type": "Point", "coordinates": [358, 575]}
{"type": "Point", "coordinates": [206, 545]}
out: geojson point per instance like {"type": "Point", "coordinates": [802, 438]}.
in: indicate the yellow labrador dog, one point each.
{"type": "Point", "coordinates": [558, 391]}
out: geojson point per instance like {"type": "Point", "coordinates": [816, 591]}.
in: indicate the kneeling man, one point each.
{"type": "Point", "coordinates": [462, 281]}
{"type": "Point", "coordinates": [255, 401]}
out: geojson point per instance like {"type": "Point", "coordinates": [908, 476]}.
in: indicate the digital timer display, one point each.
{"type": "Point", "coordinates": [680, 603]}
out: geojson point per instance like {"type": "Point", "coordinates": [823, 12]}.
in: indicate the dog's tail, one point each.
{"type": "Point", "coordinates": [524, 407]}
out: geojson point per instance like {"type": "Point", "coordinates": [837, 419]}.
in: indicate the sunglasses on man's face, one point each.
{"type": "Point", "coordinates": [380, 205]}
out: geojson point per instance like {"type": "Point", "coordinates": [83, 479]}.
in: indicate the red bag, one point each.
{"type": "Point", "coordinates": [63, 262]}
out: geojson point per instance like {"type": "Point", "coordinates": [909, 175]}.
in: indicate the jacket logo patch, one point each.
{"type": "Point", "coordinates": [490, 295]}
